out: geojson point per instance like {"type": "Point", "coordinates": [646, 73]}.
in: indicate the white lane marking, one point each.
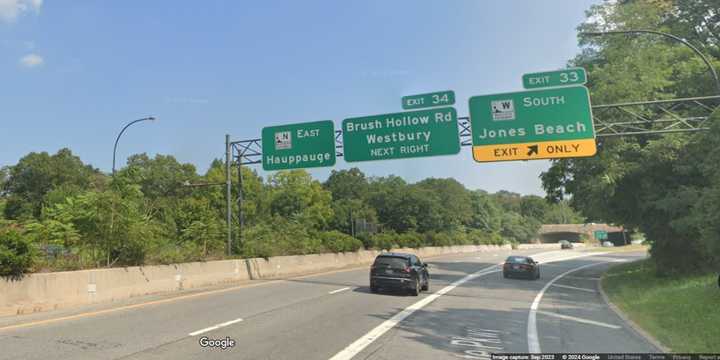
{"type": "Point", "coordinates": [356, 347]}
{"type": "Point", "coordinates": [374, 334]}
{"type": "Point", "coordinates": [574, 288]}
{"type": "Point", "coordinates": [532, 333]}
{"type": "Point", "coordinates": [338, 290]}
{"type": "Point", "coordinates": [201, 331]}
{"type": "Point", "coordinates": [580, 320]}
{"type": "Point", "coordinates": [582, 278]}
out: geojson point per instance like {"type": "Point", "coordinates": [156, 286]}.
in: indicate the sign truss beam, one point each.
{"type": "Point", "coordinates": [621, 119]}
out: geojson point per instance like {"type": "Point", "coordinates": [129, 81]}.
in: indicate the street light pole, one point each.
{"type": "Point", "coordinates": [112, 205]}
{"type": "Point", "coordinates": [670, 36]}
{"type": "Point", "coordinates": [150, 118]}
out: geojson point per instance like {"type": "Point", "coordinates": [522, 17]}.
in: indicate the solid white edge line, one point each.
{"type": "Point", "coordinates": [338, 290]}
{"type": "Point", "coordinates": [574, 288]}
{"type": "Point", "coordinates": [580, 320]}
{"type": "Point", "coordinates": [211, 328]}
{"type": "Point", "coordinates": [532, 332]}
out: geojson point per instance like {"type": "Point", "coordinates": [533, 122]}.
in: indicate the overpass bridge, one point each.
{"type": "Point", "coordinates": [552, 233]}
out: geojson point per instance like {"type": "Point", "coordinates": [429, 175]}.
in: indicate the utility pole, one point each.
{"type": "Point", "coordinates": [228, 192]}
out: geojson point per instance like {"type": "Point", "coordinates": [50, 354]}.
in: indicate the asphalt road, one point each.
{"type": "Point", "coordinates": [469, 312]}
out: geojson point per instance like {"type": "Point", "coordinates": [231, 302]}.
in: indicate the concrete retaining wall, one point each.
{"type": "Point", "coordinates": [48, 291]}
{"type": "Point", "coordinates": [546, 246]}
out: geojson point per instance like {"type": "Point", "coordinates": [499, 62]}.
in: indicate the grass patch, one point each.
{"type": "Point", "coordinates": [682, 313]}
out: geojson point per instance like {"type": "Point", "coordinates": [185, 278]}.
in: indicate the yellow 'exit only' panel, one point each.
{"type": "Point", "coordinates": [535, 150]}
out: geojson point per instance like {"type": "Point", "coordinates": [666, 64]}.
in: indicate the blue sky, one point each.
{"type": "Point", "coordinates": [72, 73]}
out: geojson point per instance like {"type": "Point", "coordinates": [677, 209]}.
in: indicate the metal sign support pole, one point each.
{"type": "Point", "coordinates": [228, 192]}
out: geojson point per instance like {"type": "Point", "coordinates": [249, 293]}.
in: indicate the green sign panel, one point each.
{"type": "Point", "coordinates": [441, 98]}
{"type": "Point", "coordinates": [601, 234]}
{"type": "Point", "coordinates": [572, 76]}
{"type": "Point", "coordinates": [401, 135]}
{"type": "Point", "coordinates": [537, 124]}
{"type": "Point", "coordinates": [294, 146]}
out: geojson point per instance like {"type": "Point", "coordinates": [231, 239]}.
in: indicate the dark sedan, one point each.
{"type": "Point", "coordinates": [523, 266]}
{"type": "Point", "coordinates": [399, 271]}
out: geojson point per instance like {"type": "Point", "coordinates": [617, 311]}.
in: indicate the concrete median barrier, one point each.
{"type": "Point", "coordinates": [49, 291]}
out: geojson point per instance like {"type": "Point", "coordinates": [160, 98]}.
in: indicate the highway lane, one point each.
{"type": "Point", "coordinates": [317, 317]}
{"type": "Point", "coordinates": [491, 314]}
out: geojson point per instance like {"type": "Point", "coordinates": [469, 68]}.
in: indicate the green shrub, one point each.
{"type": "Point", "coordinates": [459, 237]}
{"type": "Point", "coordinates": [283, 237]}
{"type": "Point", "coordinates": [437, 239]}
{"type": "Point", "coordinates": [17, 254]}
{"type": "Point", "coordinates": [479, 237]}
{"type": "Point", "coordinates": [175, 253]}
{"type": "Point", "coordinates": [383, 241]}
{"type": "Point", "coordinates": [336, 241]}
{"type": "Point", "coordinates": [409, 240]}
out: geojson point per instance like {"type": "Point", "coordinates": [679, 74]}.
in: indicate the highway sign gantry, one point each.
{"type": "Point", "coordinates": [301, 145]}
{"type": "Point", "coordinates": [536, 124]}
{"type": "Point", "coordinates": [440, 98]}
{"type": "Point", "coordinates": [564, 77]}
{"type": "Point", "coordinates": [401, 135]}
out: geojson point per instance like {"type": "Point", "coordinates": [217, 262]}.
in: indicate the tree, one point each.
{"type": "Point", "coordinates": [453, 201]}
{"type": "Point", "coordinates": [645, 182]}
{"type": "Point", "coordinates": [17, 255]}
{"type": "Point", "coordinates": [562, 213]}
{"type": "Point", "coordinates": [159, 177]}
{"type": "Point", "coordinates": [486, 214]}
{"type": "Point", "coordinates": [519, 228]}
{"type": "Point", "coordinates": [37, 174]}
{"type": "Point", "coordinates": [347, 184]}
{"type": "Point", "coordinates": [295, 195]}
{"type": "Point", "coordinates": [535, 207]}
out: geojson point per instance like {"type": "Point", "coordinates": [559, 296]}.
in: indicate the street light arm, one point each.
{"type": "Point", "coordinates": [121, 133]}
{"type": "Point", "coordinates": [670, 36]}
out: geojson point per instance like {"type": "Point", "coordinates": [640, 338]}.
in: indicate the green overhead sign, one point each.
{"type": "Point", "coordinates": [401, 135]}
{"type": "Point", "coordinates": [572, 76]}
{"type": "Point", "coordinates": [302, 145]}
{"type": "Point", "coordinates": [601, 234]}
{"type": "Point", "coordinates": [440, 98]}
{"type": "Point", "coordinates": [536, 124]}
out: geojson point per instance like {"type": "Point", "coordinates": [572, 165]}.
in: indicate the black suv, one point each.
{"type": "Point", "coordinates": [399, 271]}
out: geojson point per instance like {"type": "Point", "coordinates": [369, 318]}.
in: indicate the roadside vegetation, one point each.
{"type": "Point", "coordinates": [665, 186]}
{"type": "Point", "coordinates": [58, 213]}
{"type": "Point", "coordinates": [681, 312]}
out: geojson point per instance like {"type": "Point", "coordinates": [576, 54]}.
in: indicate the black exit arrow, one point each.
{"type": "Point", "coordinates": [532, 150]}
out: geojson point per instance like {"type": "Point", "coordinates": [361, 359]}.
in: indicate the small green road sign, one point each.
{"type": "Point", "coordinates": [441, 98]}
{"type": "Point", "coordinates": [572, 76]}
{"type": "Point", "coordinates": [295, 146]}
{"type": "Point", "coordinates": [536, 124]}
{"type": "Point", "coordinates": [401, 135]}
{"type": "Point", "coordinates": [601, 234]}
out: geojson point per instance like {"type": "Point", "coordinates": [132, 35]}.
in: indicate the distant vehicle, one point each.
{"type": "Point", "coordinates": [564, 244]}
{"type": "Point", "coordinates": [521, 266]}
{"type": "Point", "coordinates": [405, 272]}
{"type": "Point", "coordinates": [607, 244]}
